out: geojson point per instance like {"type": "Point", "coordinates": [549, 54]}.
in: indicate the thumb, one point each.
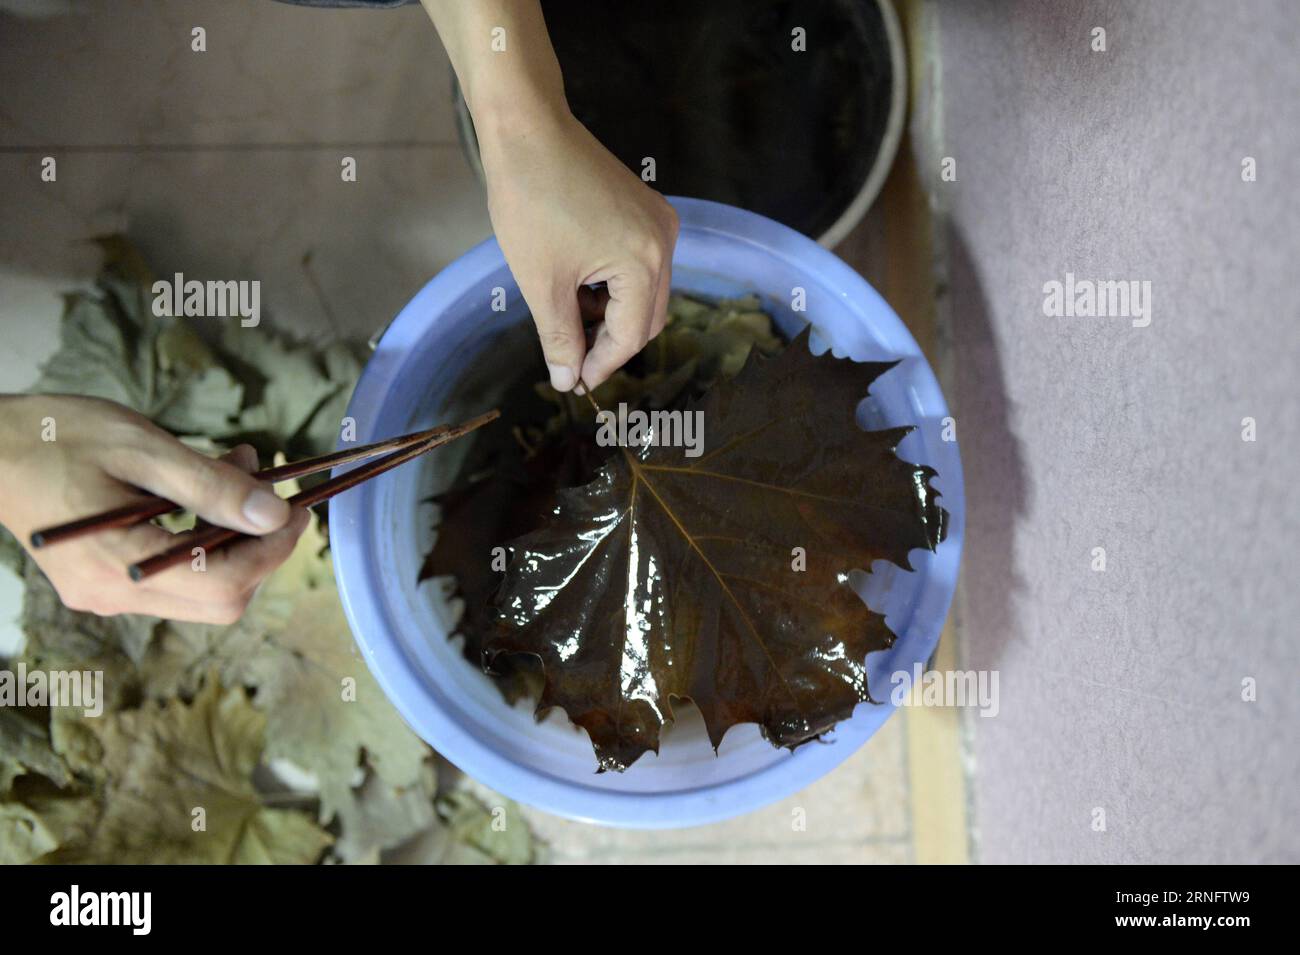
{"type": "Point", "coordinates": [559, 329]}
{"type": "Point", "coordinates": [218, 491]}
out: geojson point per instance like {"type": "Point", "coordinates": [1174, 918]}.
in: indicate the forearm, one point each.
{"type": "Point", "coordinates": [502, 86]}
{"type": "Point", "coordinates": [566, 212]}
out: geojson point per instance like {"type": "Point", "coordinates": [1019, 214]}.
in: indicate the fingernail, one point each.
{"type": "Point", "coordinates": [264, 510]}
{"type": "Point", "coordinates": [562, 377]}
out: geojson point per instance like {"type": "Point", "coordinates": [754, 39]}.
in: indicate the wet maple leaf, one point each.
{"type": "Point", "coordinates": [670, 577]}
{"type": "Point", "coordinates": [545, 442]}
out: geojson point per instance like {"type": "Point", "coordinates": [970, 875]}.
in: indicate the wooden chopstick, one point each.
{"type": "Point", "coordinates": [210, 538]}
{"type": "Point", "coordinates": [151, 507]}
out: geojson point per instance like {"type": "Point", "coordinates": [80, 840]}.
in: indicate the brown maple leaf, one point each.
{"type": "Point", "coordinates": [671, 578]}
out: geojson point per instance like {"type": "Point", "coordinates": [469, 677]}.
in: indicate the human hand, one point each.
{"type": "Point", "coordinates": [568, 214]}
{"type": "Point", "coordinates": [101, 456]}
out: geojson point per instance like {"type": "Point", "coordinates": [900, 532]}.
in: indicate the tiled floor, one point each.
{"type": "Point", "coordinates": [859, 813]}
{"type": "Point", "coordinates": [226, 163]}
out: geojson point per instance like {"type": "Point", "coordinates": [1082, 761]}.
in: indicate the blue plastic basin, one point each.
{"type": "Point", "coordinates": [381, 530]}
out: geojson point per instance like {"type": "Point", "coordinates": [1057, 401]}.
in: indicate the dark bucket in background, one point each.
{"type": "Point", "coordinates": [718, 96]}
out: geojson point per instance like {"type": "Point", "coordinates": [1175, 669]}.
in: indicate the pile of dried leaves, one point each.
{"type": "Point", "coordinates": [640, 577]}
{"type": "Point", "coordinates": [264, 741]}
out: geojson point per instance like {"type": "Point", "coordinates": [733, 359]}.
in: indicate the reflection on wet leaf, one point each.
{"type": "Point", "coordinates": [721, 578]}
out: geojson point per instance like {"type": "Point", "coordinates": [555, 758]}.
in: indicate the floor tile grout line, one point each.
{"type": "Point", "coordinates": [906, 761]}
{"type": "Point", "coordinates": [668, 850]}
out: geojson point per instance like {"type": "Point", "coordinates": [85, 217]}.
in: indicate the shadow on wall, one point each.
{"type": "Point", "coordinates": [997, 490]}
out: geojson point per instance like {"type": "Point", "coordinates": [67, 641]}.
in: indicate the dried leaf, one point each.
{"type": "Point", "coordinates": [25, 747]}
{"type": "Point", "coordinates": [470, 833]}
{"type": "Point", "coordinates": [381, 816]}
{"type": "Point", "coordinates": [672, 577]}
{"type": "Point", "coordinates": [315, 719]}
{"type": "Point", "coordinates": [59, 638]}
{"type": "Point", "coordinates": [36, 823]}
{"type": "Point", "coordinates": [112, 346]}
{"type": "Point", "coordinates": [167, 761]}
{"type": "Point", "coordinates": [74, 788]}
{"type": "Point", "coordinates": [295, 397]}
{"type": "Point", "coordinates": [498, 832]}
{"type": "Point", "coordinates": [295, 647]}
{"type": "Point", "coordinates": [12, 554]}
